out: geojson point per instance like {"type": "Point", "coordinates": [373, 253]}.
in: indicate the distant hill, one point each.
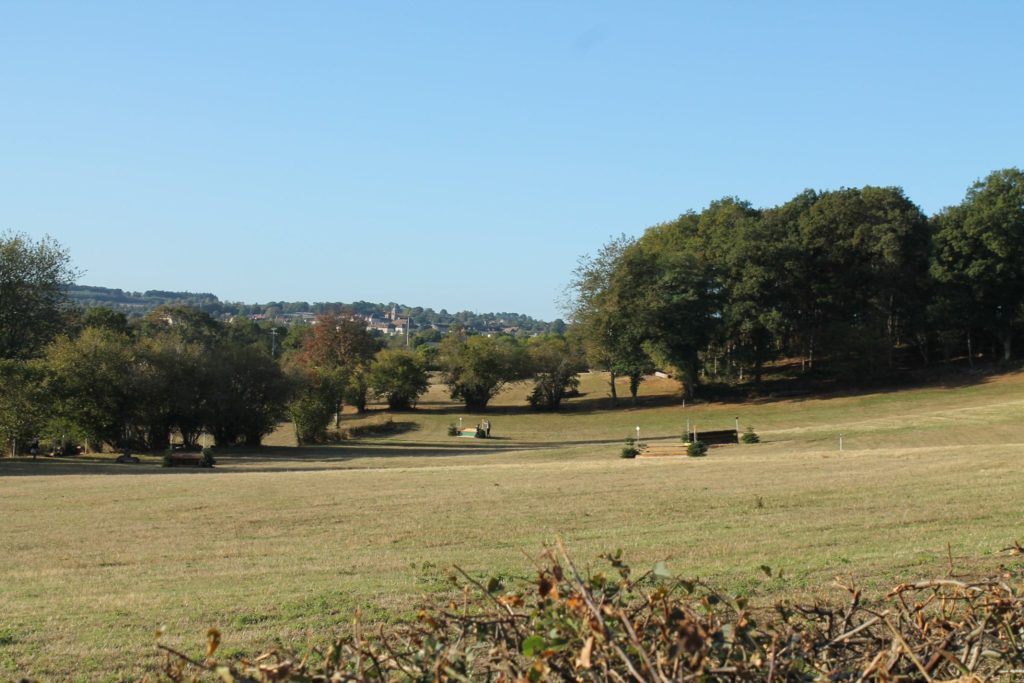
{"type": "Point", "coordinates": [137, 304]}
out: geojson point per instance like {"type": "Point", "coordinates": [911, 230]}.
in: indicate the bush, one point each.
{"type": "Point", "coordinates": [749, 436]}
{"type": "Point", "coordinates": [630, 452]}
{"type": "Point", "coordinates": [696, 449]}
{"type": "Point", "coordinates": [166, 462]}
{"type": "Point", "coordinates": [453, 430]}
{"type": "Point", "coordinates": [376, 428]}
{"type": "Point", "coordinates": [208, 459]}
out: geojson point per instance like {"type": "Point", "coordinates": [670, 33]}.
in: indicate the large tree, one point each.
{"type": "Point", "coordinates": [247, 393]}
{"type": "Point", "coordinates": [672, 299]}
{"type": "Point", "coordinates": [340, 343]}
{"type": "Point", "coordinates": [34, 278]}
{"type": "Point", "coordinates": [555, 363]}
{"type": "Point", "coordinates": [399, 377]}
{"type": "Point", "coordinates": [98, 382]}
{"type": "Point", "coordinates": [475, 368]}
{"type": "Point", "coordinates": [612, 334]}
{"type": "Point", "coordinates": [24, 405]}
{"type": "Point", "coordinates": [979, 254]}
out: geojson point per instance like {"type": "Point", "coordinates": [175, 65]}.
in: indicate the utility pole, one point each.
{"type": "Point", "coordinates": [273, 342]}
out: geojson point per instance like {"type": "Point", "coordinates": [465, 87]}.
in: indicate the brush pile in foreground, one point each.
{"type": "Point", "coordinates": [617, 627]}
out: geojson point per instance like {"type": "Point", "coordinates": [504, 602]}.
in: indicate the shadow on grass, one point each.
{"type": "Point", "coordinates": [272, 458]}
{"type": "Point", "coordinates": [570, 406]}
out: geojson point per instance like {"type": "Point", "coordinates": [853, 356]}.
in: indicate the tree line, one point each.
{"type": "Point", "coordinates": [95, 377]}
{"type": "Point", "coordinates": [140, 304]}
{"type": "Point", "coordinates": [851, 282]}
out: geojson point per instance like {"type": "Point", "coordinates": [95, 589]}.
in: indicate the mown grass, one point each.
{"type": "Point", "coordinates": [286, 541]}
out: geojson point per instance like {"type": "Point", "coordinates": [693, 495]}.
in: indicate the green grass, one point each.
{"type": "Point", "coordinates": [285, 541]}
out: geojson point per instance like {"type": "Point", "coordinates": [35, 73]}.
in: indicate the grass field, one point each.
{"type": "Point", "coordinates": [281, 542]}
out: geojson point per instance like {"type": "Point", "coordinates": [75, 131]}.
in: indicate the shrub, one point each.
{"type": "Point", "coordinates": [166, 462]}
{"type": "Point", "coordinates": [696, 449]}
{"type": "Point", "coordinates": [453, 430]}
{"type": "Point", "coordinates": [630, 452]}
{"type": "Point", "coordinates": [376, 428]}
{"type": "Point", "coordinates": [749, 436]}
{"type": "Point", "coordinates": [208, 459]}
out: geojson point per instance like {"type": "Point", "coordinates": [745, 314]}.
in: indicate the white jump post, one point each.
{"type": "Point", "coordinates": [840, 442]}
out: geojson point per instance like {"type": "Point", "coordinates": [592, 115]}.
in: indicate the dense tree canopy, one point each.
{"type": "Point", "coordinates": [475, 368]}
{"type": "Point", "coordinates": [34, 277]}
{"type": "Point", "coordinates": [979, 255]}
{"type": "Point", "coordinates": [399, 377]}
{"type": "Point", "coordinates": [555, 361]}
{"type": "Point", "coordinates": [842, 280]}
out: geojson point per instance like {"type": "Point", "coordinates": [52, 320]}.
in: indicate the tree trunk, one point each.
{"type": "Point", "coordinates": [1007, 339]}
{"type": "Point", "coordinates": [634, 385]}
{"type": "Point", "coordinates": [611, 382]}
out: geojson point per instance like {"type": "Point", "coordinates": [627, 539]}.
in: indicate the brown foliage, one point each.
{"type": "Point", "coordinates": [571, 627]}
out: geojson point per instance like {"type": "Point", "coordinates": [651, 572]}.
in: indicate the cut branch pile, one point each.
{"type": "Point", "coordinates": [574, 627]}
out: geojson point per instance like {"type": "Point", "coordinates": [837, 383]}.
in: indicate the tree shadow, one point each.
{"type": "Point", "coordinates": [267, 458]}
{"type": "Point", "coordinates": [795, 390]}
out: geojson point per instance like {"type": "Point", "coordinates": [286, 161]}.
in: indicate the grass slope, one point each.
{"type": "Point", "coordinates": [276, 543]}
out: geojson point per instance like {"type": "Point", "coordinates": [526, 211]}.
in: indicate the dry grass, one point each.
{"type": "Point", "coordinates": [274, 543]}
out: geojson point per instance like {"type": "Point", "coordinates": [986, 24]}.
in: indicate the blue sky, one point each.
{"type": "Point", "coordinates": [462, 155]}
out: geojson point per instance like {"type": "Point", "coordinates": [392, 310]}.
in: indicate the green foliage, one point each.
{"type": "Point", "coordinates": [34, 277]}
{"type": "Point", "coordinates": [697, 449]}
{"type": "Point", "coordinates": [315, 401]}
{"type": "Point", "coordinates": [979, 257]}
{"type": "Point", "coordinates": [610, 331]}
{"type": "Point", "coordinates": [247, 393]}
{"type": "Point", "coordinates": [357, 388]}
{"type": "Point", "coordinates": [453, 430]}
{"type": "Point", "coordinates": [105, 318]}
{"type": "Point", "coordinates": [99, 382]}
{"type": "Point", "coordinates": [208, 460]}
{"type": "Point", "coordinates": [475, 368]}
{"type": "Point", "coordinates": [400, 377]}
{"type": "Point", "coordinates": [24, 405]}
{"type": "Point", "coordinates": [555, 363]}
{"type": "Point", "coordinates": [749, 436]}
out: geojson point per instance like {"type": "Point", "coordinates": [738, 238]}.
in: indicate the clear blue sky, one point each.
{"type": "Point", "coordinates": [462, 155]}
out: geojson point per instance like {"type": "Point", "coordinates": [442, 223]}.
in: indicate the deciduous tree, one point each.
{"type": "Point", "coordinates": [399, 377]}
{"type": "Point", "coordinates": [34, 277]}
{"type": "Point", "coordinates": [555, 363]}
{"type": "Point", "coordinates": [979, 253]}
{"type": "Point", "coordinates": [475, 368]}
